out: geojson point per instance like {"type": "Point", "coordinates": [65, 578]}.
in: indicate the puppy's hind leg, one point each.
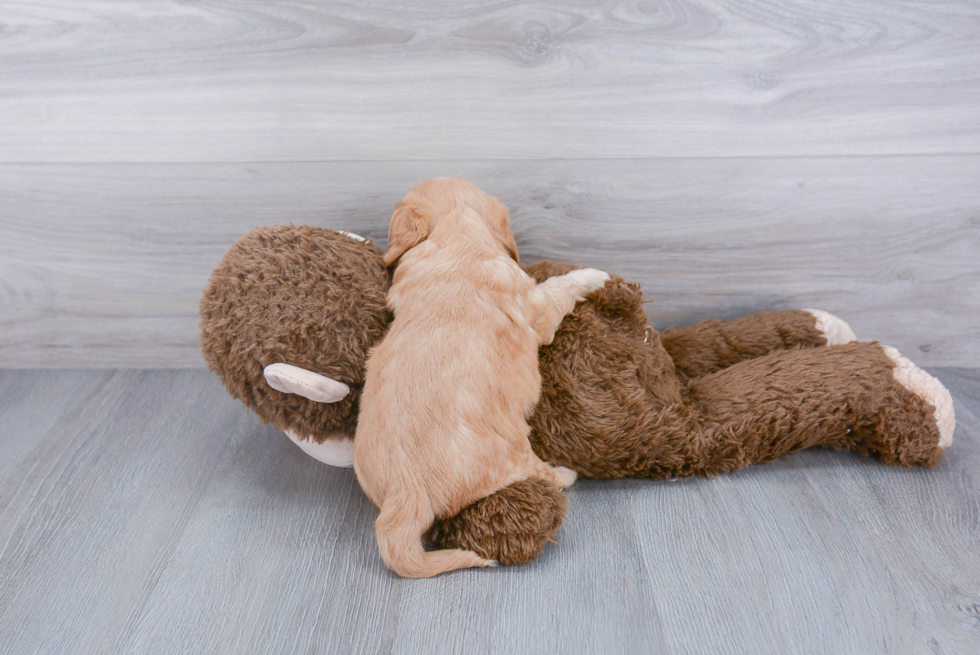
{"type": "Point", "coordinates": [399, 530]}
{"type": "Point", "coordinates": [556, 296]}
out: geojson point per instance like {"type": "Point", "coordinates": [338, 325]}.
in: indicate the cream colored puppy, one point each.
{"type": "Point", "coordinates": [442, 420]}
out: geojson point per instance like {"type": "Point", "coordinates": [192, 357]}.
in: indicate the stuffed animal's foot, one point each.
{"type": "Point", "coordinates": [928, 389]}
{"type": "Point", "coordinates": [834, 330]}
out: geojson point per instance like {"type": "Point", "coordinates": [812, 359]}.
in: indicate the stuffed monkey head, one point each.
{"type": "Point", "coordinates": [307, 304]}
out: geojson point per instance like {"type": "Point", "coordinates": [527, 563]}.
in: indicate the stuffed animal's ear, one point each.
{"type": "Point", "coordinates": [293, 379]}
{"type": "Point", "coordinates": [410, 226]}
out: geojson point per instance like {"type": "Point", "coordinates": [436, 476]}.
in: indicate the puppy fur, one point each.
{"type": "Point", "coordinates": [443, 418]}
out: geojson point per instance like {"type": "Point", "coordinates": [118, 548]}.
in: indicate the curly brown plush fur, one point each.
{"type": "Point", "coordinates": [841, 397]}
{"type": "Point", "coordinates": [618, 399]}
{"type": "Point", "coordinates": [712, 345]}
{"type": "Point", "coordinates": [511, 526]}
{"type": "Point", "coordinates": [307, 296]}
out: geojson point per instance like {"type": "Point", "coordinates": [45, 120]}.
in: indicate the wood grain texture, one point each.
{"type": "Point", "coordinates": [104, 264]}
{"type": "Point", "coordinates": [294, 80]}
{"type": "Point", "coordinates": [147, 512]}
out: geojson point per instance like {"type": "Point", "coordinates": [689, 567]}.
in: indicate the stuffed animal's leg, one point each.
{"type": "Point", "coordinates": [860, 396]}
{"type": "Point", "coordinates": [712, 345]}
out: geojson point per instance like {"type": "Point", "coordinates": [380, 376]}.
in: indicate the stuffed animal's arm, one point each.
{"type": "Point", "coordinates": [711, 346]}
{"type": "Point", "coordinates": [318, 388]}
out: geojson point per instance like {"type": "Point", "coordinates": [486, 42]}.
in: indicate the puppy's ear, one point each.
{"type": "Point", "coordinates": [511, 244]}
{"type": "Point", "coordinates": [410, 226]}
{"type": "Point", "coordinates": [501, 229]}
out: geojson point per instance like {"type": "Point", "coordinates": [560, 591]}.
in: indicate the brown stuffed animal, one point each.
{"type": "Point", "coordinates": [291, 311]}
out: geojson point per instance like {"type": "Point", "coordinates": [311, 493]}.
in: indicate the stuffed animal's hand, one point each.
{"type": "Point", "coordinates": [318, 388]}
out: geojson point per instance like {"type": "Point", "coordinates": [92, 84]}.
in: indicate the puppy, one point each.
{"type": "Point", "coordinates": [442, 419]}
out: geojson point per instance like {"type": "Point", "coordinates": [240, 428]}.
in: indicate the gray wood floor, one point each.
{"type": "Point", "coordinates": [731, 156]}
{"type": "Point", "coordinates": [147, 512]}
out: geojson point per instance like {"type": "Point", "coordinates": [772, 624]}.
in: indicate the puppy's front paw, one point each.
{"type": "Point", "coordinates": [565, 477]}
{"type": "Point", "coordinates": [590, 278]}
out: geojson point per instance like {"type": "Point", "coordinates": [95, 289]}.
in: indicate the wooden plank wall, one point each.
{"type": "Point", "coordinates": [732, 157]}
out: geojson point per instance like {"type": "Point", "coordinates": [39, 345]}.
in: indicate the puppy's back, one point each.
{"type": "Point", "coordinates": [446, 394]}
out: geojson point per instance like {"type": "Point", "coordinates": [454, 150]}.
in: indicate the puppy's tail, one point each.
{"type": "Point", "coordinates": [399, 529]}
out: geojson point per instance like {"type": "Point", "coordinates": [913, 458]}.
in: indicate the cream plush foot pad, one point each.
{"type": "Point", "coordinates": [929, 389]}
{"type": "Point", "coordinates": [835, 331]}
